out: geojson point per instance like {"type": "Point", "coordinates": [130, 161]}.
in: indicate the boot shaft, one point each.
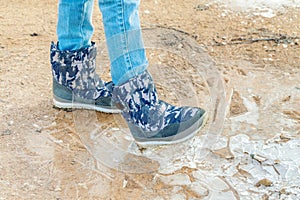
{"type": "Point", "coordinates": [76, 71]}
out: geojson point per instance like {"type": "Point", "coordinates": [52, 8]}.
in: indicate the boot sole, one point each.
{"type": "Point", "coordinates": [173, 140]}
{"type": "Point", "coordinates": [75, 105]}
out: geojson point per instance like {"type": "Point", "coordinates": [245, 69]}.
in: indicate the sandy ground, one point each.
{"type": "Point", "coordinates": [257, 57]}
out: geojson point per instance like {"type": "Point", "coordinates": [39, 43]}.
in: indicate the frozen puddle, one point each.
{"type": "Point", "coordinates": [248, 150]}
{"type": "Point", "coordinates": [258, 154]}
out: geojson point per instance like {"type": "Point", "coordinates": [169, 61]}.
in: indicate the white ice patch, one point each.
{"type": "Point", "coordinates": [265, 8]}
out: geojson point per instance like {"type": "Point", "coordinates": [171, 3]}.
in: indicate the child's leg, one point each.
{"type": "Point", "coordinates": [124, 38]}
{"type": "Point", "coordinates": [74, 27]}
{"type": "Point", "coordinates": [150, 120]}
{"type": "Point", "coordinates": [75, 82]}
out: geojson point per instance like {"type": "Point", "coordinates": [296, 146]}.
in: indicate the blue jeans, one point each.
{"type": "Point", "coordinates": [122, 31]}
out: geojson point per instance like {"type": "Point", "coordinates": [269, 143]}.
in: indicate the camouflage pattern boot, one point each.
{"type": "Point", "coordinates": [152, 121]}
{"type": "Point", "coordinates": [75, 82]}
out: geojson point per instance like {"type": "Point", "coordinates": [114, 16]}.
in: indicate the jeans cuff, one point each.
{"type": "Point", "coordinates": [131, 74]}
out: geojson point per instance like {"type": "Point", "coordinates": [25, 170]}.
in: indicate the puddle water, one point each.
{"type": "Point", "coordinates": [110, 142]}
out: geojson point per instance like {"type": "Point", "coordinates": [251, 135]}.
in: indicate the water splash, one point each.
{"type": "Point", "coordinates": [110, 142]}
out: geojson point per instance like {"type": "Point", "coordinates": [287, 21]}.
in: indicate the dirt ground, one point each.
{"type": "Point", "coordinates": [43, 157]}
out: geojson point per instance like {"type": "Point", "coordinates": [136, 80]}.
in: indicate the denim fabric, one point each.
{"type": "Point", "coordinates": [74, 27]}
{"type": "Point", "coordinates": [122, 30]}
{"type": "Point", "coordinates": [124, 38]}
